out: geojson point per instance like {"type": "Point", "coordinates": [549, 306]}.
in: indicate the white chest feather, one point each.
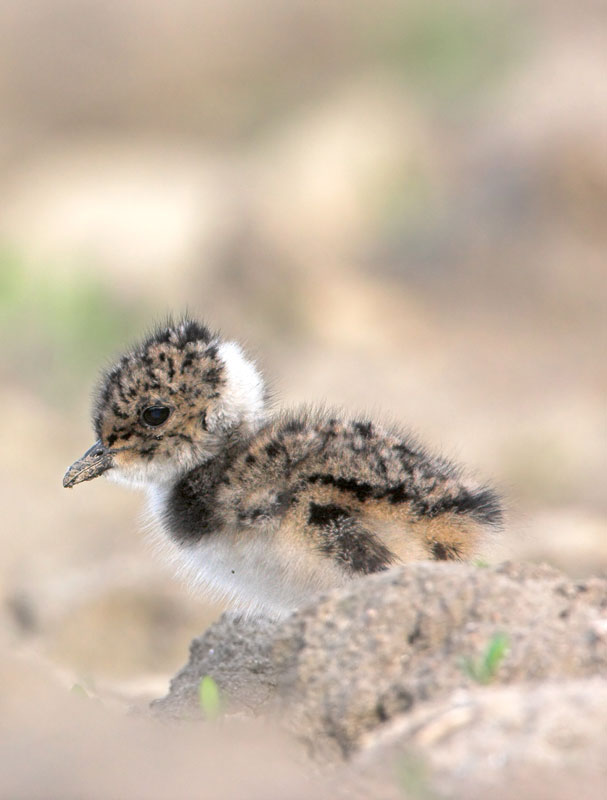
{"type": "Point", "coordinates": [255, 570]}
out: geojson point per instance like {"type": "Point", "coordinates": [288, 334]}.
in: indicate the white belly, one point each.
{"type": "Point", "coordinates": [257, 570]}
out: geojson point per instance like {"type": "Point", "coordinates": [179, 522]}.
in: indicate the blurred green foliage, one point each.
{"type": "Point", "coordinates": [448, 53]}
{"type": "Point", "coordinates": [58, 330]}
{"type": "Point", "coordinates": [447, 50]}
{"type": "Point", "coordinates": [413, 777]}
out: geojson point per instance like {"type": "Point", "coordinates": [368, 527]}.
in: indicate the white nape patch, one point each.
{"type": "Point", "coordinates": [242, 397]}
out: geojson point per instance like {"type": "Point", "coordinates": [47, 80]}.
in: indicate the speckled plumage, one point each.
{"type": "Point", "coordinates": [270, 508]}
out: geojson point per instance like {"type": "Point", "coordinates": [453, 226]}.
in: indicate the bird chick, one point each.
{"type": "Point", "coordinates": [268, 509]}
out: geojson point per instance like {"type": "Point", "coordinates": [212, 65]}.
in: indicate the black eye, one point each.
{"type": "Point", "coordinates": [155, 415]}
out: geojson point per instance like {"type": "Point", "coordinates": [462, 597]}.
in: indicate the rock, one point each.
{"type": "Point", "coordinates": [367, 653]}
{"type": "Point", "coordinates": [506, 741]}
{"type": "Point", "coordinates": [236, 653]}
{"type": "Point", "coordinates": [396, 648]}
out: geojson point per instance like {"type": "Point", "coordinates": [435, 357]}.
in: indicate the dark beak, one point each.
{"type": "Point", "coordinates": [93, 463]}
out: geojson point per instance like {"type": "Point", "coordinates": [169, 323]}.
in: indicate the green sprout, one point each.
{"type": "Point", "coordinates": [209, 698]}
{"type": "Point", "coordinates": [484, 669]}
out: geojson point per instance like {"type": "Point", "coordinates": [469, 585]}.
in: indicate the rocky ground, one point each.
{"type": "Point", "coordinates": [431, 680]}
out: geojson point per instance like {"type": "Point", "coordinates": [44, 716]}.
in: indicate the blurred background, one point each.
{"type": "Point", "coordinates": [399, 207]}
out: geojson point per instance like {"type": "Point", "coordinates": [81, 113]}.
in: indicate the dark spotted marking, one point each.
{"type": "Point", "coordinates": [445, 552]}
{"type": "Point", "coordinates": [121, 393]}
{"type": "Point", "coordinates": [343, 538]}
{"type": "Point", "coordinates": [364, 428]}
{"type": "Point", "coordinates": [212, 375]}
{"type": "Point", "coordinates": [415, 634]}
{"type": "Point", "coordinates": [250, 459]}
{"type": "Point", "coordinates": [406, 453]}
{"type": "Point", "coordinates": [482, 505]}
{"type": "Point", "coordinates": [294, 425]}
{"type": "Point", "coordinates": [179, 334]}
{"type": "Point", "coordinates": [162, 336]}
{"type": "Point", "coordinates": [360, 489]}
{"type": "Point", "coordinates": [252, 515]}
{"type": "Point", "coordinates": [398, 494]}
{"type": "Point", "coordinates": [323, 515]}
{"type": "Point", "coordinates": [116, 410]}
{"type": "Point", "coordinates": [194, 332]}
{"type": "Point", "coordinates": [272, 450]}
